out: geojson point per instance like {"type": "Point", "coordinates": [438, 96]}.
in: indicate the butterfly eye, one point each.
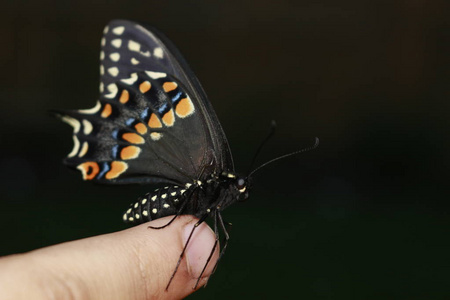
{"type": "Point", "coordinates": [240, 183]}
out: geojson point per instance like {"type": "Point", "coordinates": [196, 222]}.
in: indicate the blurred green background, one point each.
{"type": "Point", "coordinates": [365, 216]}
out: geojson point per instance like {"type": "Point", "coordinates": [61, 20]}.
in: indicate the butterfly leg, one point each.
{"type": "Point", "coordinates": [202, 219]}
{"type": "Point", "coordinates": [227, 237]}
{"type": "Point", "coordinates": [216, 232]}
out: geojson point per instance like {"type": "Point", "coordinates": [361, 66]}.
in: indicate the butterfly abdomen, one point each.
{"type": "Point", "coordinates": [156, 204]}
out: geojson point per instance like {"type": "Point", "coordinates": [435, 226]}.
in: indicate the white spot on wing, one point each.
{"type": "Point", "coordinates": [114, 56]}
{"type": "Point", "coordinates": [102, 70]}
{"type": "Point", "coordinates": [118, 30]}
{"type": "Point", "coordinates": [114, 71]}
{"type": "Point", "coordinates": [158, 52]}
{"type": "Point", "coordinates": [87, 127]}
{"type": "Point", "coordinates": [72, 122]}
{"type": "Point", "coordinates": [76, 147]}
{"type": "Point", "coordinates": [155, 136]}
{"type": "Point", "coordinates": [84, 149]}
{"type": "Point", "coordinates": [154, 198]}
{"type": "Point", "coordinates": [134, 61]}
{"type": "Point", "coordinates": [93, 110]}
{"type": "Point", "coordinates": [144, 201]}
{"type": "Point", "coordinates": [155, 75]}
{"type": "Point", "coordinates": [166, 205]}
{"type": "Point", "coordinates": [113, 89]}
{"type": "Point", "coordinates": [145, 213]}
{"type": "Point", "coordinates": [154, 210]}
{"type": "Point", "coordinates": [116, 43]}
{"type": "Point", "coordinates": [134, 46]}
{"type": "Point", "coordinates": [102, 55]}
{"type": "Point", "coordinates": [103, 42]}
{"type": "Point", "coordinates": [131, 80]}
{"type": "Point", "coordinates": [101, 87]}
{"type": "Point", "coordinates": [105, 31]}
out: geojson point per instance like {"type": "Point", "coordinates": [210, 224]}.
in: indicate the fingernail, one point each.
{"type": "Point", "coordinates": [200, 246]}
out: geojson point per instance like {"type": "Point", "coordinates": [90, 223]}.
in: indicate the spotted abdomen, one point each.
{"type": "Point", "coordinates": [157, 204]}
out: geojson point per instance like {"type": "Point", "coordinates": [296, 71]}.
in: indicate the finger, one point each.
{"type": "Point", "coordinates": [132, 264]}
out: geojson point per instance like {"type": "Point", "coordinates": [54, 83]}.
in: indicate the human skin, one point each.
{"type": "Point", "coordinates": [136, 263]}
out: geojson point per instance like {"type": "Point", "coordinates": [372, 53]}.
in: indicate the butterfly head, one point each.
{"type": "Point", "coordinates": [242, 184]}
{"type": "Point", "coordinates": [239, 186]}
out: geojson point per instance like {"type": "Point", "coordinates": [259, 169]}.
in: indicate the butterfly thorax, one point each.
{"type": "Point", "coordinates": [197, 198]}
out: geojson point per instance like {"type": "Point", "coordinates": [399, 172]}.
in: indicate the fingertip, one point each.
{"type": "Point", "coordinates": [199, 257]}
{"type": "Point", "coordinates": [202, 250]}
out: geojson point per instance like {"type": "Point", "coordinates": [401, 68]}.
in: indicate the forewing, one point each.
{"type": "Point", "coordinates": [153, 122]}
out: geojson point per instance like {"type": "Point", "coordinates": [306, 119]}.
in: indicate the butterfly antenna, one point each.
{"type": "Point", "coordinates": [273, 126]}
{"type": "Point", "coordinates": [286, 155]}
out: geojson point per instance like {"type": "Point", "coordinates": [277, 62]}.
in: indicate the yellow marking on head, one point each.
{"type": "Point", "coordinates": [124, 97]}
{"type": "Point", "coordinates": [169, 118]}
{"type": "Point", "coordinates": [169, 86]}
{"type": "Point", "coordinates": [155, 136]}
{"type": "Point", "coordinates": [141, 128]}
{"type": "Point", "coordinates": [84, 149]}
{"type": "Point", "coordinates": [130, 152]}
{"type": "Point", "coordinates": [107, 110]}
{"type": "Point", "coordinates": [117, 168]}
{"type": "Point", "coordinates": [184, 108]}
{"type": "Point", "coordinates": [89, 170]}
{"type": "Point", "coordinates": [154, 122]}
{"type": "Point", "coordinates": [145, 87]}
{"type": "Point", "coordinates": [133, 138]}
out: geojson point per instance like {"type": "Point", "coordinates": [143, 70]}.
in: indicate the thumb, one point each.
{"type": "Point", "coordinates": [136, 263]}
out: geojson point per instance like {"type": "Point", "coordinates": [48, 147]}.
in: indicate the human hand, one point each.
{"type": "Point", "coordinates": [132, 264]}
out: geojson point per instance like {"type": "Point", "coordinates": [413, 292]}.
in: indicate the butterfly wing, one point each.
{"type": "Point", "coordinates": [153, 122]}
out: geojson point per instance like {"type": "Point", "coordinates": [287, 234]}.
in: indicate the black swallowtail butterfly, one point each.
{"type": "Point", "coordinates": [153, 124]}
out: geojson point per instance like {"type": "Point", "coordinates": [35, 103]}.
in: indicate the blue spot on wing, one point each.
{"type": "Point", "coordinates": [144, 113]}
{"type": "Point", "coordinates": [115, 151]}
{"type": "Point", "coordinates": [104, 168]}
{"type": "Point", "coordinates": [130, 121]}
{"type": "Point", "coordinates": [162, 108]}
{"type": "Point", "coordinates": [177, 97]}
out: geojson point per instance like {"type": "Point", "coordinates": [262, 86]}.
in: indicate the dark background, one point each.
{"type": "Point", "coordinates": [365, 216]}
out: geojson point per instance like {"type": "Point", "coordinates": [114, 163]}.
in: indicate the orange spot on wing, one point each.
{"type": "Point", "coordinates": [154, 122]}
{"type": "Point", "coordinates": [141, 128]}
{"type": "Point", "coordinates": [145, 86]}
{"type": "Point", "coordinates": [133, 138]}
{"type": "Point", "coordinates": [117, 168]}
{"type": "Point", "coordinates": [107, 110]}
{"type": "Point", "coordinates": [89, 170]}
{"type": "Point", "coordinates": [169, 118]}
{"type": "Point", "coordinates": [169, 86]}
{"type": "Point", "coordinates": [130, 152]}
{"type": "Point", "coordinates": [184, 108]}
{"type": "Point", "coordinates": [124, 97]}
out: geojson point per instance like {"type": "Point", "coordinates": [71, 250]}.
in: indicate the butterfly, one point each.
{"type": "Point", "coordinates": [153, 124]}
